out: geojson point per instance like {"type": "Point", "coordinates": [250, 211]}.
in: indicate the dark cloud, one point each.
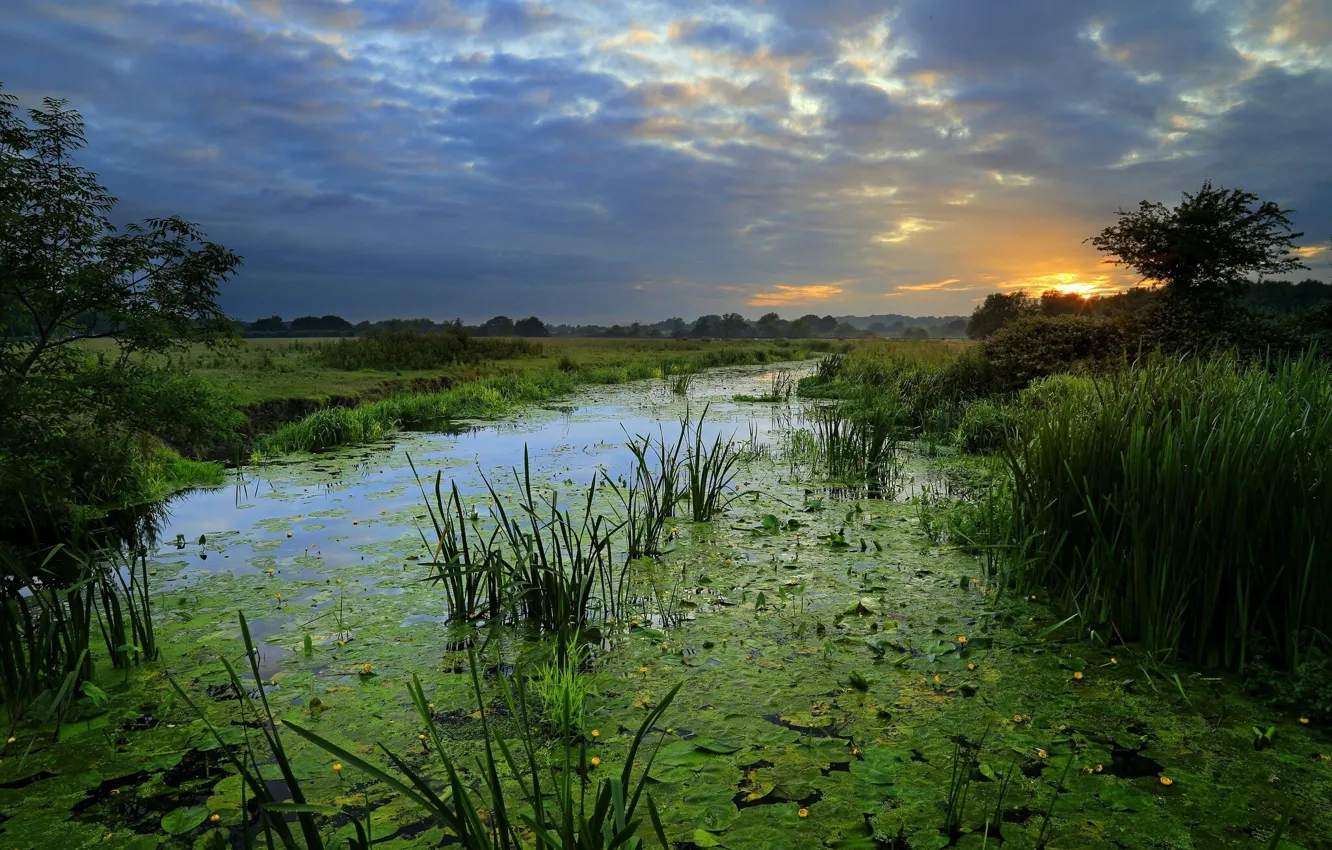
{"type": "Point", "coordinates": [621, 161]}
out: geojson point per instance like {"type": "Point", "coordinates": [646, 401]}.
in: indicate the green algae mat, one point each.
{"type": "Point", "coordinates": [845, 681]}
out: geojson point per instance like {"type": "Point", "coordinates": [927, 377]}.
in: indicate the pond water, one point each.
{"type": "Point", "coordinates": [837, 662]}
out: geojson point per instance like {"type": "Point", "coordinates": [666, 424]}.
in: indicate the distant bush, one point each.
{"type": "Point", "coordinates": [398, 351]}
{"type": "Point", "coordinates": [1037, 346]}
{"type": "Point", "coordinates": [986, 426]}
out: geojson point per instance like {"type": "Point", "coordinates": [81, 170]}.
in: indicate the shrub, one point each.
{"type": "Point", "coordinates": [985, 427]}
{"type": "Point", "coordinates": [1037, 346]}
{"type": "Point", "coordinates": [408, 351]}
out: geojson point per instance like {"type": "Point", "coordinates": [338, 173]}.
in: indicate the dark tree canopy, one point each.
{"type": "Point", "coordinates": [997, 310]}
{"type": "Point", "coordinates": [272, 323]}
{"type": "Point", "coordinates": [78, 431]}
{"type": "Point", "coordinates": [67, 274]}
{"type": "Point", "coordinates": [531, 326]}
{"type": "Point", "coordinates": [320, 323]}
{"type": "Point", "coordinates": [498, 326]}
{"type": "Point", "coordinates": [1207, 246]}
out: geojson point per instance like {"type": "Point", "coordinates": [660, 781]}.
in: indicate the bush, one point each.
{"type": "Point", "coordinates": [986, 426]}
{"type": "Point", "coordinates": [1037, 346]}
{"type": "Point", "coordinates": [407, 351]}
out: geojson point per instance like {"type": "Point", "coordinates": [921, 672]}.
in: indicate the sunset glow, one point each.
{"type": "Point", "coordinates": [619, 162]}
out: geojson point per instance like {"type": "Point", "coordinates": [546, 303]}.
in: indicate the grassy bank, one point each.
{"type": "Point", "coordinates": [1173, 503]}
{"type": "Point", "coordinates": [262, 370]}
{"type": "Point", "coordinates": [612, 362]}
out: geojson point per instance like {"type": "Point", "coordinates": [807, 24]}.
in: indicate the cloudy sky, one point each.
{"type": "Point", "coordinates": [608, 160]}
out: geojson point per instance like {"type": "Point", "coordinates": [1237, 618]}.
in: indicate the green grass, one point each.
{"type": "Point", "coordinates": [1185, 504]}
{"type": "Point", "coordinates": [263, 370]}
{"type": "Point", "coordinates": [489, 397]}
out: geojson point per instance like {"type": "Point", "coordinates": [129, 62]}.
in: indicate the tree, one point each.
{"type": "Point", "coordinates": [320, 323]}
{"type": "Point", "coordinates": [998, 310]}
{"type": "Point", "coordinates": [915, 332]}
{"type": "Point", "coordinates": [531, 326]}
{"type": "Point", "coordinates": [1205, 248]}
{"type": "Point", "coordinates": [734, 326]}
{"type": "Point", "coordinates": [498, 326]}
{"type": "Point", "coordinates": [78, 432]}
{"type": "Point", "coordinates": [272, 323]}
{"type": "Point", "coordinates": [878, 328]}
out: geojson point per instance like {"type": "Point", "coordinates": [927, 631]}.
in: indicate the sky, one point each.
{"type": "Point", "coordinates": [620, 160]}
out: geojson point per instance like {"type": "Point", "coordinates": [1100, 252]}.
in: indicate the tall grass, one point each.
{"type": "Point", "coordinates": [1185, 504]}
{"type": "Point", "coordinates": [710, 470]}
{"type": "Point", "coordinates": [653, 491]}
{"type": "Point", "coordinates": [555, 559]}
{"type": "Point", "coordinates": [249, 758]}
{"type": "Point", "coordinates": [414, 351]}
{"type": "Point", "coordinates": [51, 612]}
{"type": "Point", "coordinates": [485, 398]}
{"type": "Point", "coordinates": [494, 396]}
{"type": "Point", "coordinates": [471, 570]}
{"type": "Point", "coordinates": [857, 440]}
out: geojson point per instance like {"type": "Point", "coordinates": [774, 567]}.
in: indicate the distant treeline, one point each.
{"type": "Point", "coordinates": [728, 326]}
{"type": "Point", "coordinates": [1286, 303]}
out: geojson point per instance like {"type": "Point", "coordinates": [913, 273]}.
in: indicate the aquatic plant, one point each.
{"type": "Point", "coordinates": [710, 469]}
{"type": "Point", "coordinates": [560, 817]}
{"type": "Point", "coordinates": [554, 560]}
{"type": "Point", "coordinates": [1105, 476]}
{"type": "Point", "coordinates": [471, 571]}
{"type": "Point", "coordinates": [649, 496]}
{"type": "Point", "coordinates": [248, 758]}
{"type": "Point", "coordinates": [563, 690]}
{"type": "Point", "coordinates": [857, 441]}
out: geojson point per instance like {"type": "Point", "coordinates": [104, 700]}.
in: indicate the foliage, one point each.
{"type": "Point", "coordinates": [709, 471]}
{"type": "Point", "coordinates": [559, 820]}
{"type": "Point", "coordinates": [999, 309]}
{"type": "Point", "coordinates": [1206, 247]}
{"type": "Point", "coordinates": [986, 426]}
{"type": "Point", "coordinates": [80, 434]}
{"type": "Point", "coordinates": [1105, 475]}
{"type": "Point", "coordinates": [414, 351]}
{"type": "Point", "coordinates": [562, 690]}
{"type": "Point", "coordinates": [1037, 346]}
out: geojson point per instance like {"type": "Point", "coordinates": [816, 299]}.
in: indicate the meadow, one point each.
{"type": "Point", "coordinates": [868, 600]}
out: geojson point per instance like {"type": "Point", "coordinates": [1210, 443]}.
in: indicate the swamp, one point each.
{"type": "Point", "coordinates": [642, 612]}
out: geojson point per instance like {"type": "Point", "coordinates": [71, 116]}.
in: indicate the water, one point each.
{"type": "Point", "coordinates": [308, 517]}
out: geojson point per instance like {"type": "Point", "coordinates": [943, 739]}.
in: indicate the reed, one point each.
{"type": "Point", "coordinates": [649, 497]}
{"type": "Point", "coordinates": [470, 569]}
{"type": "Point", "coordinates": [544, 817]}
{"type": "Point", "coordinates": [1185, 504]}
{"type": "Point", "coordinates": [710, 470]}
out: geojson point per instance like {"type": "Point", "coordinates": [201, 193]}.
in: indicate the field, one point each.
{"type": "Point", "coordinates": [725, 612]}
{"type": "Point", "coordinates": [265, 370]}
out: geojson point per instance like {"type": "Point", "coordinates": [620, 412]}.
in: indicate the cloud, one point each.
{"type": "Point", "coordinates": [785, 296]}
{"type": "Point", "coordinates": [624, 161]}
{"type": "Point", "coordinates": [946, 283]}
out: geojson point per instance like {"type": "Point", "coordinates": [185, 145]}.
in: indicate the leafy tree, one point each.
{"type": "Point", "coordinates": [80, 431]}
{"type": "Point", "coordinates": [1062, 303]}
{"type": "Point", "coordinates": [997, 310]}
{"type": "Point", "coordinates": [734, 325]}
{"type": "Point", "coordinates": [916, 332]}
{"type": "Point", "coordinates": [320, 323]}
{"type": "Point", "coordinates": [707, 326]}
{"type": "Point", "coordinates": [1207, 247]}
{"type": "Point", "coordinates": [272, 323]}
{"type": "Point", "coordinates": [532, 326]}
{"type": "Point", "coordinates": [498, 326]}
